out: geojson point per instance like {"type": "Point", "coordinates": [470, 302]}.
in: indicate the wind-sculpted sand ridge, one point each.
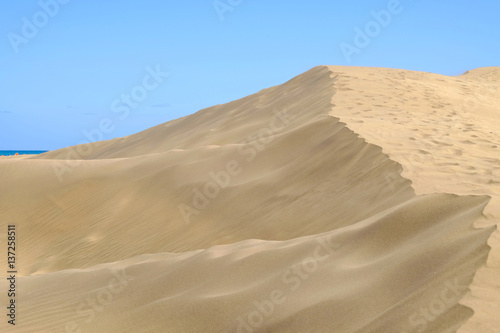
{"type": "Point", "coordinates": [361, 277]}
{"type": "Point", "coordinates": [266, 214]}
{"type": "Point", "coordinates": [445, 132]}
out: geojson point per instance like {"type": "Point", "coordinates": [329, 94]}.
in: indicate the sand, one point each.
{"type": "Point", "coordinates": [15, 156]}
{"type": "Point", "coordinates": [447, 138]}
{"type": "Point", "coordinates": [344, 200]}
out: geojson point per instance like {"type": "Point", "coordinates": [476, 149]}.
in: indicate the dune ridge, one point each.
{"type": "Point", "coordinates": [292, 209]}
{"type": "Point", "coordinates": [447, 139]}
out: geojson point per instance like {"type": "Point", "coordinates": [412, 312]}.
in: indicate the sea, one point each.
{"type": "Point", "coordinates": [21, 152]}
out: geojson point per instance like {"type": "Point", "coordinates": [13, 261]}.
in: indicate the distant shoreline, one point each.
{"type": "Point", "coordinates": [21, 152]}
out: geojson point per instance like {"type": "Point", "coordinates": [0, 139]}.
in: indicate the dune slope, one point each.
{"type": "Point", "coordinates": [263, 214]}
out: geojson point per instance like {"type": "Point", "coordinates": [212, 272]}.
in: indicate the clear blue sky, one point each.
{"type": "Point", "coordinates": [69, 73]}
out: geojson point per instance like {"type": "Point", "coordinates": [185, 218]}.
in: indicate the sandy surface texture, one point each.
{"type": "Point", "coordinates": [445, 132]}
{"type": "Point", "coordinates": [344, 200]}
{"type": "Point", "coordinates": [15, 157]}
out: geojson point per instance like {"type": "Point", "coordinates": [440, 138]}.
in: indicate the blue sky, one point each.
{"type": "Point", "coordinates": [65, 65]}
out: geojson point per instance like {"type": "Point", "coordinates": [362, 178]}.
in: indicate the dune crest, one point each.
{"type": "Point", "coordinates": [445, 132]}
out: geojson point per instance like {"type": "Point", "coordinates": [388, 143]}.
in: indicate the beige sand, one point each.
{"type": "Point", "coordinates": [303, 225]}
{"type": "Point", "coordinates": [15, 156]}
{"type": "Point", "coordinates": [447, 137]}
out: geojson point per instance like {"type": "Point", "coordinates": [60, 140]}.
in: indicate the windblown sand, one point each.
{"type": "Point", "coordinates": [344, 200]}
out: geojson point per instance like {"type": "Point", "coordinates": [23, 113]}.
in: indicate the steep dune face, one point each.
{"type": "Point", "coordinates": [263, 214]}
{"type": "Point", "coordinates": [197, 198]}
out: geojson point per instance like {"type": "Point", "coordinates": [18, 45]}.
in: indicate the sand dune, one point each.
{"type": "Point", "coordinates": [445, 132]}
{"type": "Point", "coordinates": [313, 206]}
